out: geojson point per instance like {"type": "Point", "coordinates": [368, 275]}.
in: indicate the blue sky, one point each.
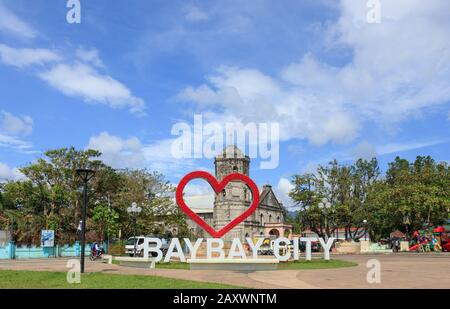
{"type": "Point", "coordinates": [340, 87]}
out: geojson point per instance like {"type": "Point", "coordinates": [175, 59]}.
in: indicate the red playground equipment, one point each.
{"type": "Point", "coordinates": [431, 240]}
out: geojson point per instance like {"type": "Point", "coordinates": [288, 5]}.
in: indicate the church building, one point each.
{"type": "Point", "coordinates": [266, 221]}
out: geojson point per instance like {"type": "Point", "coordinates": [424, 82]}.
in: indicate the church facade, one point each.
{"type": "Point", "coordinates": [267, 221]}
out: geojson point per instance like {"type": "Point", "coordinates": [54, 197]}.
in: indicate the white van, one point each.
{"type": "Point", "coordinates": [136, 244]}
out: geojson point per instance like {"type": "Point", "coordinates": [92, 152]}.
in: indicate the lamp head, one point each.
{"type": "Point", "coordinates": [85, 174]}
{"type": "Point", "coordinates": [134, 208]}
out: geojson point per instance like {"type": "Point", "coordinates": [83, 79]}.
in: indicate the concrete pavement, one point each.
{"type": "Point", "coordinates": [397, 271]}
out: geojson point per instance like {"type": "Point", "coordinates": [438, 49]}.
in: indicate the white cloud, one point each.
{"type": "Point", "coordinates": [195, 14]}
{"type": "Point", "coordinates": [399, 66]}
{"type": "Point", "coordinates": [199, 195]}
{"type": "Point", "coordinates": [406, 146]}
{"type": "Point", "coordinates": [81, 80]}
{"type": "Point", "coordinates": [198, 187]}
{"type": "Point", "coordinates": [200, 203]}
{"type": "Point", "coordinates": [202, 95]}
{"type": "Point", "coordinates": [132, 153]}
{"type": "Point", "coordinates": [364, 150]}
{"type": "Point", "coordinates": [13, 129]}
{"type": "Point", "coordinates": [8, 173]}
{"type": "Point", "coordinates": [367, 151]}
{"type": "Point", "coordinates": [10, 23]}
{"type": "Point", "coordinates": [396, 70]}
{"type": "Point", "coordinates": [285, 186]}
{"type": "Point", "coordinates": [249, 95]}
{"type": "Point", "coordinates": [8, 141]}
{"type": "Point", "coordinates": [90, 56]}
{"type": "Point", "coordinates": [22, 57]}
{"type": "Point", "coordinates": [282, 190]}
{"type": "Point", "coordinates": [118, 152]}
{"type": "Point", "coordinates": [15, 125]}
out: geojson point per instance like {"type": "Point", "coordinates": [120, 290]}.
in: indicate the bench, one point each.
{"type": "Point", "coordinates": [136, 262]}
{"type": "Point", "coordinates": [106, 258]}
{"type": "Point", "coordinates": [246, 265]}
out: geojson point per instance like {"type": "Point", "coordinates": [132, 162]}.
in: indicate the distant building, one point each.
{"type": "Point", "coordinates": [267, 220]}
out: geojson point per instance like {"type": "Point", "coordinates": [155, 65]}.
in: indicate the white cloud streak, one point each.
{"type": "Point", "coordinates": [15, 125]}
{"type": "Point", "coordinates": [81, 80]}
{"type": "Point", "coordinates": [132, 153]}
{"type": "Point", "coordinates": [13, 129]}
{"type": "Point", "coordinates": [90, 56]}
{"type": "Point", "coordinates": [195, 14]}
{"type": "Point", "coordinates": [11, 24]}
{"type": "Point", "coordinates": [22, 57]}
{"type": "Point", "coordinates": [407, 146]}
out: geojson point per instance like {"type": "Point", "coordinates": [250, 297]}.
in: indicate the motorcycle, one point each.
{"type": "Point", "coordinates": [96, 254]}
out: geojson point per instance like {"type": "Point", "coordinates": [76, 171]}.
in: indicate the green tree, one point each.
{"type": "Point", "coordinates": [413, 196]}
{"type": "Point", "coordinates": [345, 187]}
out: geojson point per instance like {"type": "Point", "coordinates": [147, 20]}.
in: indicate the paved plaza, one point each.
{"type": "Point", "coordinates": [397, 271]}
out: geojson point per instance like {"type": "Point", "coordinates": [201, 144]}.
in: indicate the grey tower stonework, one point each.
{"type": "Point", "coordinates": [236, 197]}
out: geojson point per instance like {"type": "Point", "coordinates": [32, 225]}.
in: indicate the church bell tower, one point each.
{"type": "Point", "coordinates": [236, 196]}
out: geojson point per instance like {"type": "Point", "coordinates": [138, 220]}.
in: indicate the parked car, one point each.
{"type": "Point", "coordinates": [135, 246]}
{"type": "Point", "coordinates": [315, 246]}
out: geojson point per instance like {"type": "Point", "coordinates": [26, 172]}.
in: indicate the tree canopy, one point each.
{"type": "Point", "coordinates": [49, 197]}
{"type": "Point", "coordinates": [410, 196]}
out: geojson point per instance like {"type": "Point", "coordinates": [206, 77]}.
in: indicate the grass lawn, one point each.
{"type": "Point", "coordinates": [11, 279]}
{"type": "Point", "coordinates": [300, 264]}
{"type": "Point", "coordinates": [171, 265]}
{"type": "Point", "coordinates": [315, 264]}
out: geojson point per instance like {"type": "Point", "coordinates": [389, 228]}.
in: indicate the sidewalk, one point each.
{"type": "Point", "coordinates": [397, 271]}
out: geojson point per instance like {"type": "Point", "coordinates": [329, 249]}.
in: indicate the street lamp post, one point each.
{"type": "Point", "coordinates": [365, 229]}
{"type": "Point", "coordinates": [11, 230]}
{"type": "Point", "coordinates": [109, 219]}
{"type": "Point", "coordinates": [134, 209]}
{"type": "Point", "coordinates": [85, 175]}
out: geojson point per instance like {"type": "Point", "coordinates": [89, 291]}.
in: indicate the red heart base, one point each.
{"type": "Point", "coordinates": [217, 187]}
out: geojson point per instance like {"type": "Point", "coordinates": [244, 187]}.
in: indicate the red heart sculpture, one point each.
{"type": "Point", "coordinates": [217, 187]}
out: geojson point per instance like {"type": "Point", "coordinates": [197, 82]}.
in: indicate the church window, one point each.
{"type": "Point", "coordinates": [262, 219]}
{"type": "Point", "coordinates": [278, 219]}
{"type": "Point", "coordinates": [224, 193]}
{"type": "Point", "coordinates": [235, 169]}
{"type": "Point", "coordinates": [270, 218]}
